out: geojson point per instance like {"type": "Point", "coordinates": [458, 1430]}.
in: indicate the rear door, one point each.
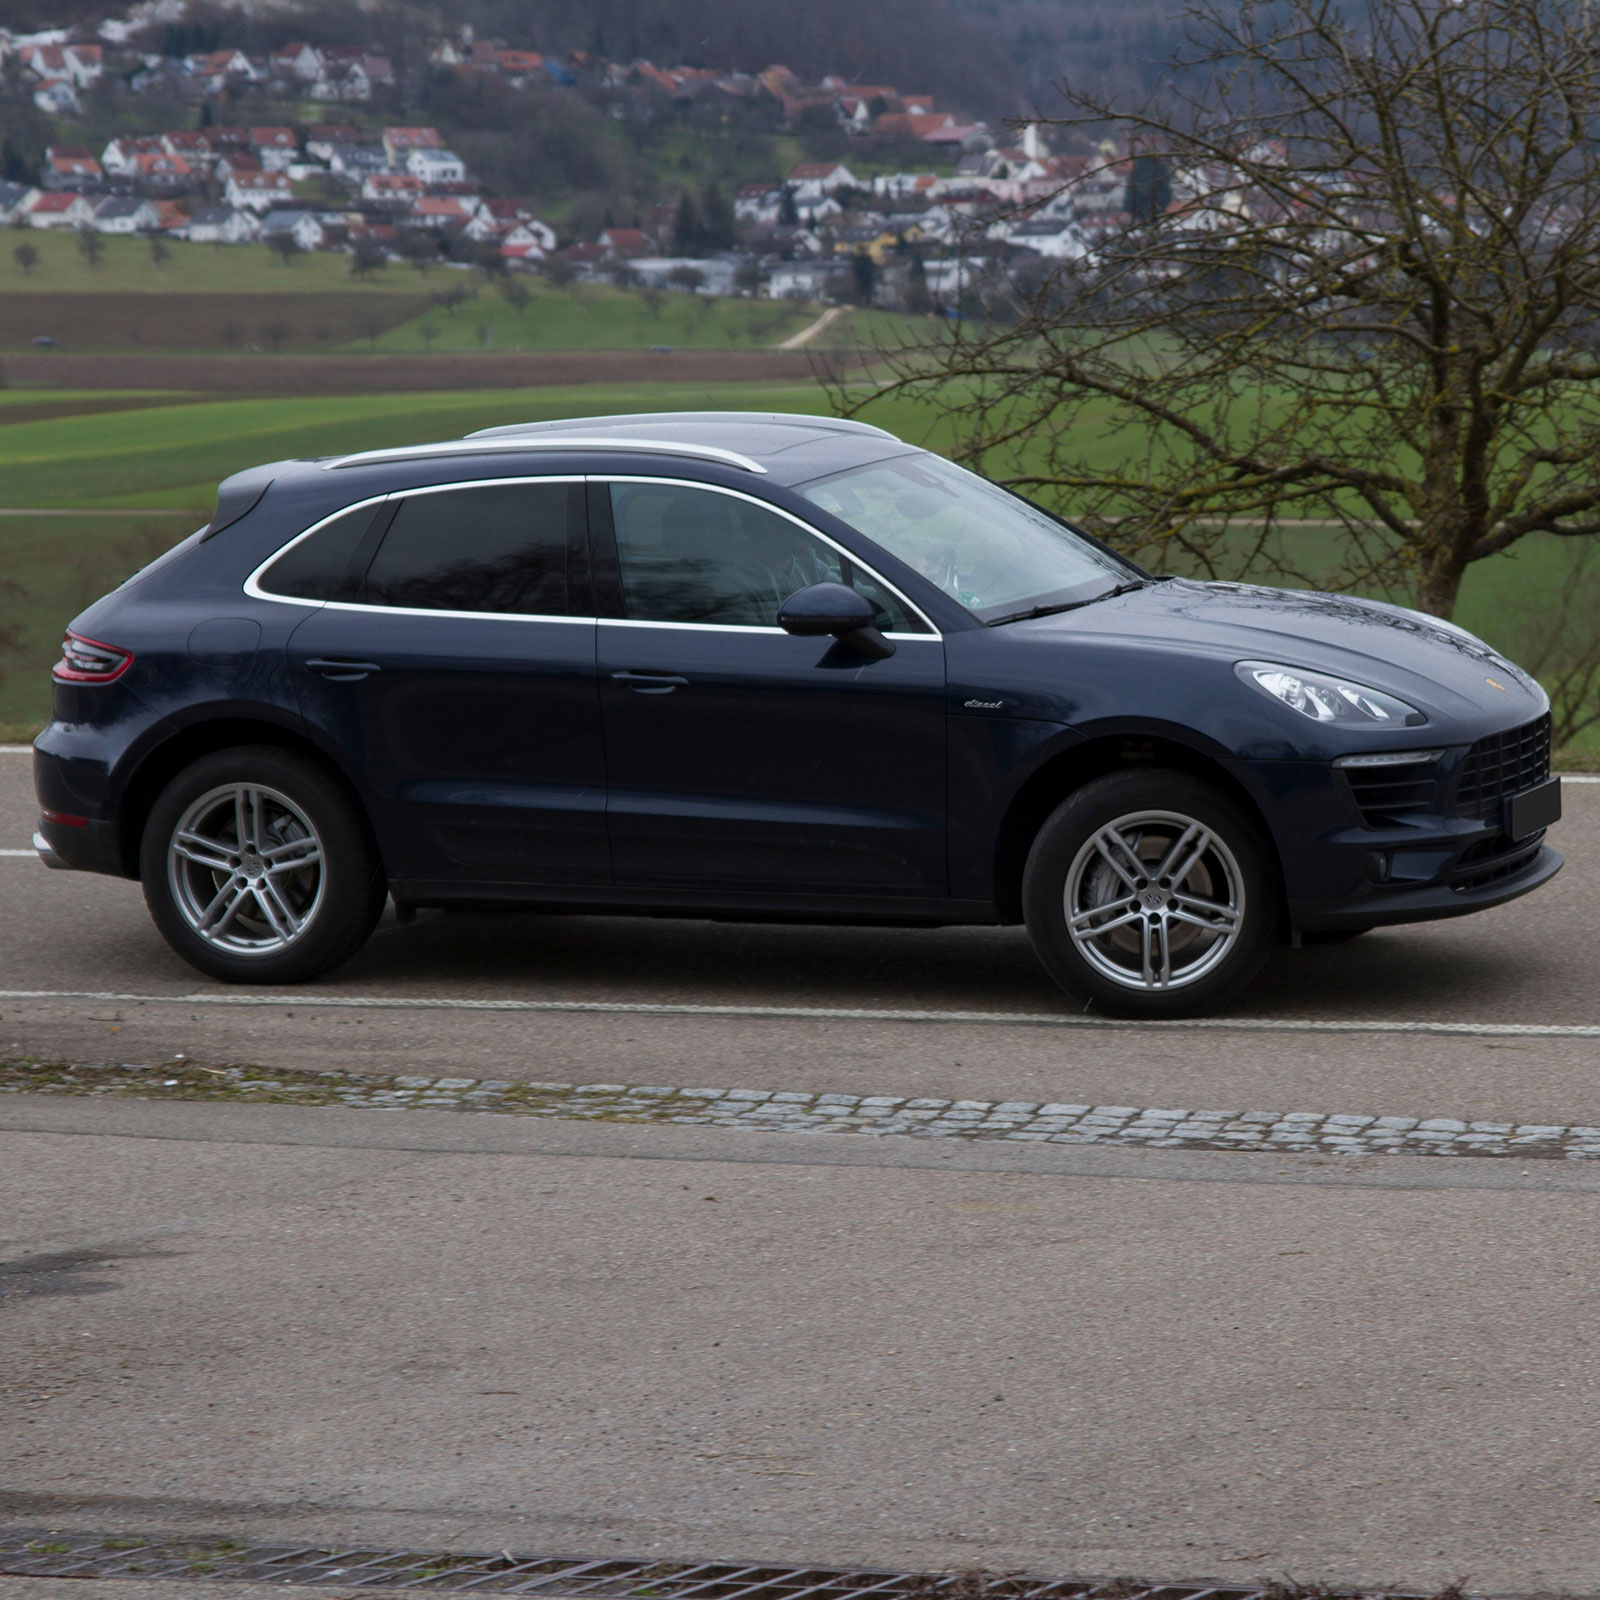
{"type": "Point", "coordinates": [741, 759]}
{"type": "Point", "coordinates": [456, 670]}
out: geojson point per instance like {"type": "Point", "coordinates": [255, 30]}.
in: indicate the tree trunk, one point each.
{"type": "Point", "coordinates": [1440, 585]}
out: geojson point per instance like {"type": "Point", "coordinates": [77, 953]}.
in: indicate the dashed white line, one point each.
{"type": "Point", "coordinates": [33, 853]}
{"type": "Point", "coordinates": [1038, 1019]}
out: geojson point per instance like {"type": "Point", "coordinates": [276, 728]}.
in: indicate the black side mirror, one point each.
{"type": "Point", "coordinates": [834, 608]}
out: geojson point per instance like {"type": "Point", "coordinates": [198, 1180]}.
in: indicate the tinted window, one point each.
{"type": "Point", "coordinates": [690, 555]}
{"type": "Point", "coordinates": [499, 548]}
{"type": "Point", "coordinates": [312, 569]}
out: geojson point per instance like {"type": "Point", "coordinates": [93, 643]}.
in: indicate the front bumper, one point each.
{"type": "Point", "coordinates": [1490, 883]}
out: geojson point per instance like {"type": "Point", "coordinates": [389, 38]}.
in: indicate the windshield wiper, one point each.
{"type": "Point", "coordinates": [1069, 605]}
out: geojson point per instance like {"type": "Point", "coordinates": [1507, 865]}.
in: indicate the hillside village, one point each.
{"type": "Point", "coordinates": [975, 198]}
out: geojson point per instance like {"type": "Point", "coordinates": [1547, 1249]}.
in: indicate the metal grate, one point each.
{"type": "Point", "coordinates": [78, 1555]}
{"type": "Point", "coordinates": [1502, 765]}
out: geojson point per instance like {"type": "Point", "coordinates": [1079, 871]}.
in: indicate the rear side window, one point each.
{"type": "Point", "coordinates": [500, 548]}
{"type": "Point", "coordinates": [311, 569]}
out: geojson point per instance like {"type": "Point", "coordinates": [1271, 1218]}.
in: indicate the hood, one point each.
{"type": "Point", "coordinates": [1433, 664]}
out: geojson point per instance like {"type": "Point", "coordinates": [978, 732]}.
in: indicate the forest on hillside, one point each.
{"type": "Point", "coordinates": [994, 58]}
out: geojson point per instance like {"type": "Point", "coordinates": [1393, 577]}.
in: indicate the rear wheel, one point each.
{"type": "Point", "coordinates": [1150, 893]}
{"type": "Point", "coordinates": [259, 868]}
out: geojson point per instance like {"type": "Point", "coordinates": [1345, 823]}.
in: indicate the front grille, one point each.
{"type": "Point", "coordinates": [1383, 793]}
{"type": "Point", "coordinates": [1502, 765]}
{"type": "Point", "coordinates": [1506, 867]}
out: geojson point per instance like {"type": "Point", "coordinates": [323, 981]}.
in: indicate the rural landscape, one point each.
{"type": "Point", "coordinates": [931, 935]}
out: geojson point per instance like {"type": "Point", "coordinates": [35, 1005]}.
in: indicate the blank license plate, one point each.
{"type": "Point", "coordinates": [1534, 809]}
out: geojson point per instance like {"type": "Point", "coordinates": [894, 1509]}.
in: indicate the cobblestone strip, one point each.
{"type": "Point", "coordinates": [794, 1111]}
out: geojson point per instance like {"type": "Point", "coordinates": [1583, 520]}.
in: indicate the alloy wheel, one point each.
{"type": "Point", "coordinates": [245, 865]}
{"type": "Point", "coordinates": [1154, 900]}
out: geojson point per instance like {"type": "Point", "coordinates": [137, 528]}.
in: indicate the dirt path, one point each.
{"type": "Point", "coordinates": [812, 329]}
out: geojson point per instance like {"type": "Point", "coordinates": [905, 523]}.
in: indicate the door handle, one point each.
{"type": "Point", "coordinates": [342, 671]}
{"type": "Point", "coordinates": [650, 682]}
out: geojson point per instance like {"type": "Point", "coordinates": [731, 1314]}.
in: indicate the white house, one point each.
{"type": "Point", "coordinates": [221, 225]}
{"type": "Point", "coordinates": [260, 191]}
{"type": "Point", "coordinates": [800, 280]}
{"type": "Point", "coordinates": [301, 226]}
{"type": "Point", "coordinates": [436, 166]}
{"type": "Point", "coordinates": [527, 241]}
{"type": "Point", "coordinates": [351, 84]}
{"type": "Point", "coordinates": [57, 99]}
{"type": "Point", "coordinates": [120, 157]}
{"type": "Point", "coordinates": [122, 214]}
{"type": "Point", "coordinates": [14, 199]}
{"type": "Point", "coordinates": [812, 181]}
{"type": "Point", "coordinates": [62, 210]}
{"type": "Point", "coordinates": [655, 272]}
{"type": "Point", "coordinates": [298, 60]}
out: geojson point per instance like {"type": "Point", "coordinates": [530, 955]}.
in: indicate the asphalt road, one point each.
{"type": "Point", "coordinates": [479, 1331]}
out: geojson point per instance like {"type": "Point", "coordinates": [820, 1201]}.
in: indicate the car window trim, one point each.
{"type": "Point", "coordinates": [367, 549]}
{"type": "Point", "coordinates": [602, 535]}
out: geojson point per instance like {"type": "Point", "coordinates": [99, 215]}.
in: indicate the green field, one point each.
{"type": "Point", "coordinates": [168, 455]}
{"type": "Point", "coordinates": [128, 267]}
{"type": "Point", "coordinates": [596, 316]}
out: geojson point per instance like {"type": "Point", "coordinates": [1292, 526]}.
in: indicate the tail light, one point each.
{"type": "Point", "coordinates": [89, 661]}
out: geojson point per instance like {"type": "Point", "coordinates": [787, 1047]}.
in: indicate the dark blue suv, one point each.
{"type": "Point", "coordinates": [766, 666]}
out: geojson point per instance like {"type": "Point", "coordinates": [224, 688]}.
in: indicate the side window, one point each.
{"type": "Point", "coordinates": [311, 569]}
{"type": "Point", "coordinates": [500, 547]}
{"type": "Point", "coordinates": [692, 555]}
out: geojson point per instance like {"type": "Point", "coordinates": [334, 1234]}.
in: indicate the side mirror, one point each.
{"type": "Point", "coordinates": [836, 609]}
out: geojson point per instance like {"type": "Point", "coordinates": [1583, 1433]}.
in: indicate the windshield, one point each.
{"type": "Point", "coordinates": [993, 552]}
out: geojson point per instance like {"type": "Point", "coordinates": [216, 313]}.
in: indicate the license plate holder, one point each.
{"type": "Point", "coordinates": [1533, 809]}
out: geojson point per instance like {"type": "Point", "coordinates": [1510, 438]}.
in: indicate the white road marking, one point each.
{"type": "Point", "coordinates": [1045, 1019]}
{"type": "Point", "coordinates": [33, 853]}
{"type": "Point", "coordinates": [16, 749]}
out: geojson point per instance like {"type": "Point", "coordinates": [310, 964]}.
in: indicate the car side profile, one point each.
{"type": "Point", "coordinates": [766, 666]}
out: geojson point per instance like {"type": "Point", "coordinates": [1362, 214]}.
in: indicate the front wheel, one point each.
{"type": "Point", "coordinates": [1150, 893]}
{"type": "Point", "coordinates": [259, 868]}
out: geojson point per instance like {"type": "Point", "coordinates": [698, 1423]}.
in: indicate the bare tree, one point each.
{"type": "Point", "coordinates": [26, 257]}
{"type": "Point", "coordinates": [276, 333]}
{"type": "Point", "coordinates": [91, 247]}
{"type": "Point", "coordinates": [284, 247]}
{"type": "Point", "coordinates": [1557, 638]}
{"type": "Point", "coordinates": [515, 294]}
{"type": "Point", "coordinates": [1370, 306]}
{"type": "Point", "coordinates": [160, 251]}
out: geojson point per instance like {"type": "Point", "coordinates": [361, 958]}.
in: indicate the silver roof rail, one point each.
{"type": "Point", "coordinates": [796, 419]}
{"type": "Point", "coordinates": [522, 444]}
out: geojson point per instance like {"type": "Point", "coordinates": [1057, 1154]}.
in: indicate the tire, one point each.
{"type": "Point", "coordinates": [317, 890]}
{"type": "Point", "coordinates": [1142, 947]}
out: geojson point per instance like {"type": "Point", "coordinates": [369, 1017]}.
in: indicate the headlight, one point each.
{"type": "Point", "coordinates": [1325, 699]}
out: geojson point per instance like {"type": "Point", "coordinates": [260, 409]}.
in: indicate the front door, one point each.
{"type": "Point", "coordinates": [460, 682]}
{"type": "Point", "coordinates": [740, 758]}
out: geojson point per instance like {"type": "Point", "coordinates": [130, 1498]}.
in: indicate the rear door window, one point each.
{"type": "Point", "coordinates": [311, 568]}
{"type": "Point", "coordinates": [499, 548]}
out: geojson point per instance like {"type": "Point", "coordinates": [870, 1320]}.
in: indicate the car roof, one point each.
{"type": "Point", "coordinates": [782, 447]}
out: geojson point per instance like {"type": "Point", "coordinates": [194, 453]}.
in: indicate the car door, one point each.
{"type": "Point", "coordinates": [456, 671]}
{"type": "Point", "coordinates": [740, 758]}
